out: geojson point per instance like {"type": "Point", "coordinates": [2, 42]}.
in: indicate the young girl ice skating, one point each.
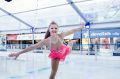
{"type": "Point", "coordinates": [53, 40]}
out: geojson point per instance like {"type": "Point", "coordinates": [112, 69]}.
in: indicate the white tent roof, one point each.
{"type": "Point", "coordinates": [39, 13]}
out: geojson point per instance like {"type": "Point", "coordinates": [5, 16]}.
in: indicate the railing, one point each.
{"type": "Point", "coordinates": [74, 46]}
{"type": "Point", "coordinates": [84, 49]}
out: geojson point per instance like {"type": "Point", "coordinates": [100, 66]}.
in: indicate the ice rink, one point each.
{"type": "Point", "coordinates": [89, 28]}
{"type": "Point", "coordinates": [76, 66]}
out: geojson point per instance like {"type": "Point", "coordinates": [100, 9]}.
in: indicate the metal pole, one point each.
{"type": "Point", "coordinates": [81, 41]}
{"type": "Point", "coordinates": [16, 18]}
{"type": "Point", "coordinates": [32, 35]}
{"type": "Point", "coordinates": [77, 10]}
{"type": "Point", "coordinates": [81, 15]}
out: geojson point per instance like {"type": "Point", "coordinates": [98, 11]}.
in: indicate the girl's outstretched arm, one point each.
{"type": "Point", "coordinates": [64, 34]}
{"type": "Point", "coordinates": [37, 45]}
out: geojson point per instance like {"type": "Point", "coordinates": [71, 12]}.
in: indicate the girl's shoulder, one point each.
{"type": "Point", "coordinates": [60, 36]}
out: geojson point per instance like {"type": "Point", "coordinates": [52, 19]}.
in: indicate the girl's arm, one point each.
{"type": "Point", "coordinates": [63, 34]}
{"type": "Point", "coordinates": [37, 45]}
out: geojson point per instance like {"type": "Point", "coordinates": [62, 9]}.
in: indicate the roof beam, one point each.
{"type": "Point", "coordinates": [20, 20]}
{"type": "Point", "coordinates": [78, 12]}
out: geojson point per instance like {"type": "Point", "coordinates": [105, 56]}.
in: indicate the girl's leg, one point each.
{"type": "Point", "coordinates": [54, 68]}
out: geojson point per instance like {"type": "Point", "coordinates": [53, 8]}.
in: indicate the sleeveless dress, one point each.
{"type": "Point", "coordinates": [59, 54]}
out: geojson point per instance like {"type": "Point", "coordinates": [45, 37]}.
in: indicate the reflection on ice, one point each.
{"type": "Point", "coordinates": [76, 66]}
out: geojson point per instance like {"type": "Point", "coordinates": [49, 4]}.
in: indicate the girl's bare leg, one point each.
{"type": "Point", "coordinates": [54, 68]}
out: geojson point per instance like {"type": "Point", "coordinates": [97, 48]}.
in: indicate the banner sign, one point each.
{"type": "Point", "coordinates": [98, 34]}
{"type": "Point", "coordinates": [105, 33]}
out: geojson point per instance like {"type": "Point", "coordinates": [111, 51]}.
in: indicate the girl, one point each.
{"type": "Point", "coordinates": [54, 41]}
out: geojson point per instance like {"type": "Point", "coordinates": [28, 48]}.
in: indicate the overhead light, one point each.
{"type": "Point", "coordinates": [8, 0]}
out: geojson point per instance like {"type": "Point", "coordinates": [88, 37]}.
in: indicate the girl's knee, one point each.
{"type": "Point", "coordinates": [54, 71]}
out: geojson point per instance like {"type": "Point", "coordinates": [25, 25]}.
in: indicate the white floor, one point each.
{"type": "Point", "coordinates": [76, 66]}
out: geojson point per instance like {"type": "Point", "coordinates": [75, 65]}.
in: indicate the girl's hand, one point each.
{"type": "Point", "coordinates": [14, 55]}
{"type": "Point", "coordinates": [82, 25]}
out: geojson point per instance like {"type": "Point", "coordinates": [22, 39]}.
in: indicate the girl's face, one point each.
{"type": "Point", "coordinates": [53, 29]}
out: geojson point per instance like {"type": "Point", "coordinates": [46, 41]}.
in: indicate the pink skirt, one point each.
{"type": "Point", "coordinates": [61, 53]}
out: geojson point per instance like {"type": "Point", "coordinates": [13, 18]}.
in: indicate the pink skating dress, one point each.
{"type": "Point", "coordinates": [61, 53]}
